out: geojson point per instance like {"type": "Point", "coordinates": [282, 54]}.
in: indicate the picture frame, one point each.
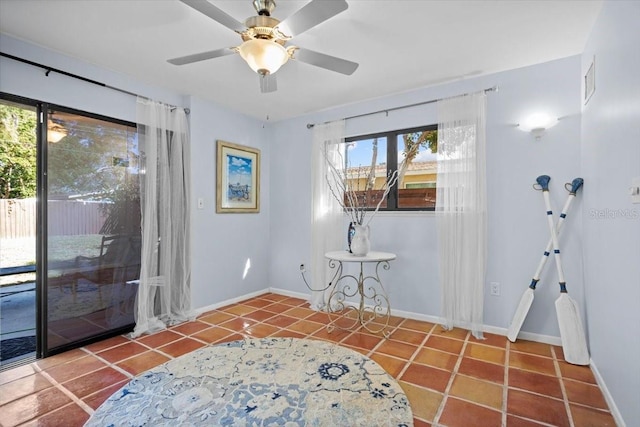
{"type": "Point", "coordinates": [238, 178]}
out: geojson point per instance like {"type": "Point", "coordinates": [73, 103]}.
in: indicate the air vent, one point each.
{"type": "Point", "coordinates": [590, 81]}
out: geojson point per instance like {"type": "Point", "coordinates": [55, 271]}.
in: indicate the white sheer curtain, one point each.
{"type": "Point", "coordinates": [461, 209]}
{"type": "Point", "coordinates": [164, 295]}
{"type": "Point", "coordinates": [327, 225]}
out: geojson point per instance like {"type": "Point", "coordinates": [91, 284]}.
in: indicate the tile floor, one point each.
{"type": "Point", "coordinates": [451, 378]}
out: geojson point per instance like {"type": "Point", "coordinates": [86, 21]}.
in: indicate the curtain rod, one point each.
{"type": "Point", "coordinates": [386, 110]}
{"type": "Point", "coordinates": [75, 76]}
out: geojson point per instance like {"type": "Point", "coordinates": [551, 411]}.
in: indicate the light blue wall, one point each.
{"type": "Point", "coordinates": [517, 223]}
{"type": "Point", "coordinates": [610, 158]}
{"type": "Point", "coordinates": [224, 243]}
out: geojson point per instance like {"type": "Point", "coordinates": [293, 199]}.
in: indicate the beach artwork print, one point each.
{"type": "Point", "coordinates": [238, 172]}
{"type": "Point", "coordinates": [239, 187]}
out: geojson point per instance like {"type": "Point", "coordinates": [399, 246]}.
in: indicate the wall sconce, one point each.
{"type": "Point", "coordinates": [55, 132]}
{"type": "Point", "coordinates": [537, 124]}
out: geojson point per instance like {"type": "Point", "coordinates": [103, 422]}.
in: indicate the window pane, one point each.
{"type": "Point", "coordinates": [18, 176]}
{"type": "Point", "coordinates": [417, 169]}
{"type": "Point", "coordinates": [366, 163]}
{"type": "Point", "coordinates": [93, 218]}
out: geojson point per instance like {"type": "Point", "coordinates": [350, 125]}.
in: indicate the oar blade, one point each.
{"type": "Point", "coordinates": [574, 343]}
{"type": "Point", "coordinates": [520, 315]}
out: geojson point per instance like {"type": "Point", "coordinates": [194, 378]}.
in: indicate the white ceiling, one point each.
{"type": "Point", "coordinates": [400, 45]}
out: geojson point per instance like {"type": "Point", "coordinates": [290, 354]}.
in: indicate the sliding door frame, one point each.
{"type": "Point", "coordinates": [41, 321]}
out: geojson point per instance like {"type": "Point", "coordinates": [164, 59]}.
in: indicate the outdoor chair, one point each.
{"type": "Point", "coordinates": [118, 262]}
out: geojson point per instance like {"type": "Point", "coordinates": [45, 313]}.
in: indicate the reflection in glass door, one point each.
{"type": "Point", "coordinates": [92, 219]}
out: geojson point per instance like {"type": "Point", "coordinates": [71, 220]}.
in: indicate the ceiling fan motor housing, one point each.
{"type": "Point", "coordinates": [262, 27]}
{"type": "Point", "coordinates": [264, 7]}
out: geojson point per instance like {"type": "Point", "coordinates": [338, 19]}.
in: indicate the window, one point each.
{"type": "Point", "coordinates": [409, 153]}
{"type": "Point", "coordinates": [93, 243]}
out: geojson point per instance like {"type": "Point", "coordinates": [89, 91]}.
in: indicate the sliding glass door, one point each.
{"type": "Point", "coordinates": [93, 226]}
{"type": "Point", "coordinates": [70, 255]}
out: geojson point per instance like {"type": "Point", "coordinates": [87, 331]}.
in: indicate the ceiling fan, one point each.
{"type": "Point", "coordinates": [264, 38]}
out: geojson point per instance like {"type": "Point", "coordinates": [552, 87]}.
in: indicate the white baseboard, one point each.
{"type": "Point", "coordinates": [292, 294]}
{"type": "Point", "coordinates": [615, 412]}
{"type": "Point", "coordinates": [215, 306]}
{"type": "Point", "coordinates": [416, 316]}
{"type": "Point", "coordinates": [546, 339]}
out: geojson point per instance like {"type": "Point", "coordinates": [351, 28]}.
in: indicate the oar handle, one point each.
{"type": "Point", "coordinates": [543, 182]}
{"type": "Point", "coordinates": [574, 186]}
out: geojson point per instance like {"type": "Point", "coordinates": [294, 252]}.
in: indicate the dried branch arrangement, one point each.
{"type": "Point", "coordinates": [344, 183]}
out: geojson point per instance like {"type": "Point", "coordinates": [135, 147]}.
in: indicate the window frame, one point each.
{"type": "Point", "coordinates": [392, 164]}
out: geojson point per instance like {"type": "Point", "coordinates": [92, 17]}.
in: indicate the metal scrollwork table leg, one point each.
{"type": "Point", "coordinates": [370, 308]}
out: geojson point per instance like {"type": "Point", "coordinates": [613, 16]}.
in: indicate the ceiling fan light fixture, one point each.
{"type": "Point", "coordinates": [263, 56]}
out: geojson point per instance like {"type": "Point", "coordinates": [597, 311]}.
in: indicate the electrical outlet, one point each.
{"type": "Point", "coordinates": [494, 288]}
{"type": "Point", "coordinates": [200, 203]}
{"type": "Point", "coordinates": [302, 268]}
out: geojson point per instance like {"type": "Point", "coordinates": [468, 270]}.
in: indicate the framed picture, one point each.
{"type": "Point", "coordinates": [238, 179]}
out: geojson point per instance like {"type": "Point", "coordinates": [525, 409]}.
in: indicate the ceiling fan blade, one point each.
{"type": "Point", "coordinates": [202, 56]}
{"type": "Point", "coordinates": [206, 8]}
{"type": "Point", "coordinates": [325, 61]}
{"type": "Point", "coordinates": [268, 83]}
{"type": "Point", "coordinates": [310, 15]}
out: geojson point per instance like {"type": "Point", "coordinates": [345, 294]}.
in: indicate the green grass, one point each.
{"type": "Point", "coordinates": [65, 248]}
{"type": "Point", "coordinates": [62, 249]}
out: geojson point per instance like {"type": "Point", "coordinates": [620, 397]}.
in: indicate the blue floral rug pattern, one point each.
{"type": "Point", "coordinates": [261, 382]}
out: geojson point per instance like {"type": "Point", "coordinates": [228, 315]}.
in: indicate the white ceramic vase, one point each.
{"type": "Point", "coordinates": [360, 243]}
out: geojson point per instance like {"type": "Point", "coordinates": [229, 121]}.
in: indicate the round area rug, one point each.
{"type": "Point", "coordinates": [261, 382]}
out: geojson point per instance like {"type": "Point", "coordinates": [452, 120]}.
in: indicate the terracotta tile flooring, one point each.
{"type": "Point", "coordinates": [450, 378]}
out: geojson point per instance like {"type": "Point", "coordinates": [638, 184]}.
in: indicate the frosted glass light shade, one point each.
{"type": "Point", "coordinates": [263, 56]}
{"type": "Point", "coordinates": [537, 122]}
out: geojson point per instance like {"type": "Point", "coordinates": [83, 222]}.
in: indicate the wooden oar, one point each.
{"type": "Point", "coordinates": [574, 342]}
{"type": "Point", "coordinates": [527, 297]}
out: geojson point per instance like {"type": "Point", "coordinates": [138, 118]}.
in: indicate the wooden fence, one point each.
{"type": "Point", "coordinates": [17, 218]}
{"type": "Point", "coordinates": [417, 198]}
{"type": "Point", "coordinates": [66, 218]}
{"type": "Point", "coordinates": [407, 198]}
